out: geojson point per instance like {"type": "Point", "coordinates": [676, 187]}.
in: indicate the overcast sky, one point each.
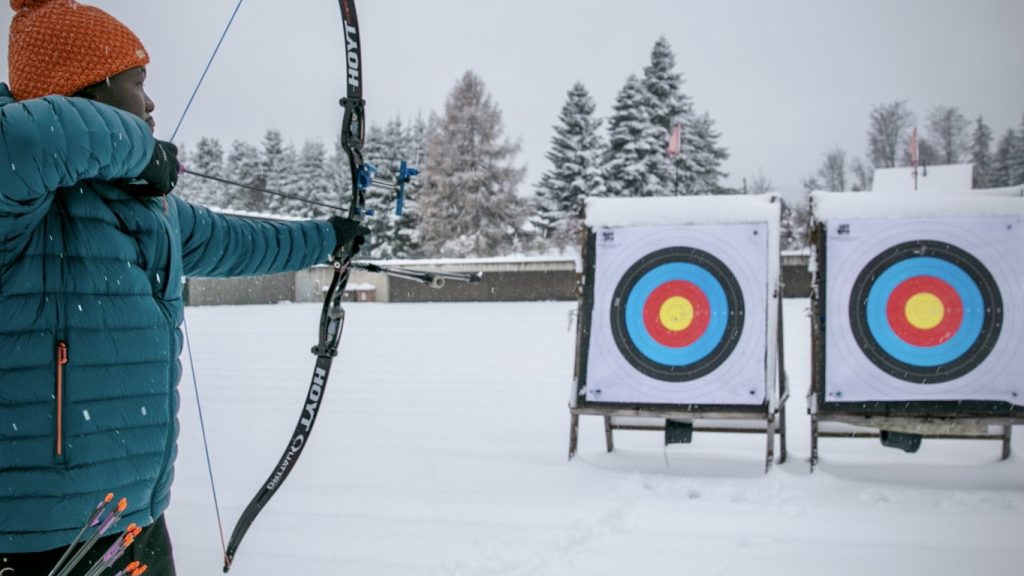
{"type": "Point", "coordinates": [785, 80]}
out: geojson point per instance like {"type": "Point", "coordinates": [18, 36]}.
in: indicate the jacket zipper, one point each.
{"type": "Point", "coordinates": [62, 359]}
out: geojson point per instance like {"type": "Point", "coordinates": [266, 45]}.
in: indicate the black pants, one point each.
{"type": "Point", "coordinates": [152, 548]}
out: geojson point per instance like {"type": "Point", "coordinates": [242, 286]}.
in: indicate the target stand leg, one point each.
{"type": "Point", "coordinates": [782, 434]}
{"type": "Point", "coordinates": [1007, 430]}
{"type": "Point", "coordinates": [770, 454]}
{"type": "Point", "coordinates": [609, 442]}
{"type": "Point", "coordinates": [814, 443]}
{"type": "Point", "coordinates": [574, 434]}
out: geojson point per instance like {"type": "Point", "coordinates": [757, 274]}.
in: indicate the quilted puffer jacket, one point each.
{"type": "Point", "coordinates": [90, 310]}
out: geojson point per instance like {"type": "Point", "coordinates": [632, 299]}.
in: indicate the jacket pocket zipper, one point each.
{"type": "Point", "coordinates": [62, 359]}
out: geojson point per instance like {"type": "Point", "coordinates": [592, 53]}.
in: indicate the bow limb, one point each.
{"type": "Point", "coordinates": [332, 317]}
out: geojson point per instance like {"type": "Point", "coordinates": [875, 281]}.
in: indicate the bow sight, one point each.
{"type": "Point", "coordinates": [366, 178]}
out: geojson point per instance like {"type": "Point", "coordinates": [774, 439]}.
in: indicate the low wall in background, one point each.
{"type": "Point", "coordinates": [503, 281]}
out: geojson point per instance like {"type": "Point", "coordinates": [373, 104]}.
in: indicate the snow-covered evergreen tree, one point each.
{"type": "Point", "coordinates": [245, 166]}
{"type": "Point", "coordinates": [666, 105]}
{"type": "Point", "coordinates": [208, 158]}
{"type": "Point", "coordinates": [575, 155]}
{"type": "Point", "coordinates": [702, 170]}
{"type": "Point", "coordinates": [468, 203]}
{"type": "Point", "coordinates": [1002, 163]}
{"type": "Point", "coordinates": [315, 181]}
{"type": "Point", "coordinates": [1016, 162]}
{"type": "Point", "coordinates": [629, 145]}
{"type": "Point", "coordinates": [644, 116]}
{"type": "Point", "coordinates": [380, 152]}
{"type": "Point", "coordinates": [186, 184]}
{"type": "Point", "coordinates": [795, 221]}
{"type": "Point", "coordinates": [981, 154]}
{"type": "Point", "coordinates": [696, 169]}
{"type": "Point", "coordinates": [277, 162]}
{"type": "Point", "coordinates": [405, 241]}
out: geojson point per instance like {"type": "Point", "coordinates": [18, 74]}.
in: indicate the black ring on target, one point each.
{"type": "Point", "coordinates": [720, 329]}
{"type": "Point", "coordinates": [976, 304]}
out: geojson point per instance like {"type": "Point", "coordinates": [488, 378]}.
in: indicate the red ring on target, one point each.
{"type": "Point", "coordinates": [952, 311]}
{"type": "Point", "coordinates": [655, 322]}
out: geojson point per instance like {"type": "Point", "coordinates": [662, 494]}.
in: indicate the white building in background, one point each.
{"type": "Point", "coordinates": [942, 178]}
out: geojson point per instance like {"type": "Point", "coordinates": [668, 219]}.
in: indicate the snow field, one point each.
{"type": "Point", "coordinates": [441, 449]}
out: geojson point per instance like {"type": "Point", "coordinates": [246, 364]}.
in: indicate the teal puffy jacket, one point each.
{"type": "Point", "coordinates": [90, 310]}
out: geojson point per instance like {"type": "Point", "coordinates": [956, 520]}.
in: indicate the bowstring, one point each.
{"type": "Point", "coordinates": [184, 321]}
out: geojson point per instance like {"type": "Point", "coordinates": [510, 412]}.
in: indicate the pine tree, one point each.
{"type": "Point", "coordinates": [981, 154]}
{"type": "Point", "coordinates": [209, 159]}
{"type": "Point", "coordinates": [1016, 163]}
{"type": "Point", "coordinates": [624, 169]}
{"type": "Point", "coordinates": [379, 151]}
{"type": "Point", "coordinates": [406, 236]}
{"type": "Point", "coordinates": [185, 189]}
{"type": "Point", "coordinates": [575, 156]}
{"type": "Point", "coordinates": [666, 105]}
{"type": "Point", "coordinates": [245, 167]}
{"type": "Point", "coordinates": [701, 171]}
{"type": "Point", "coordinates": [1002, 164]}
{"type": "Point", "coordinates": [469, 204]}
{"type": "Point", "coordinates": [277, 161]}
{"type": "Point", "coordinates": [795, 220]}
{"type": "Point", "coordinates": [696, 169]}
{"type": "Point", "coordinates": [316, 183]}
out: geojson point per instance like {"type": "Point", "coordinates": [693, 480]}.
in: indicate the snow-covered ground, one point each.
{"type": "Point", "coordinates": [441, 449]}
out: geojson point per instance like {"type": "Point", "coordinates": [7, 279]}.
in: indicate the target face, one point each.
{"type": "Point", "coordinates": [677, 314]}
{"type": "Point", "coordinates": [924, 310]}
{"type": "Point", "coordinates": [680, 315]}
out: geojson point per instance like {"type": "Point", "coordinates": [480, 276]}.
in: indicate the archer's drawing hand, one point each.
{"type": "Point", "coordinates": [162, 171]}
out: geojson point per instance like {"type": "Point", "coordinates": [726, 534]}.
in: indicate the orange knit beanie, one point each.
{"type": "Point", "coordinates": [61, 46]}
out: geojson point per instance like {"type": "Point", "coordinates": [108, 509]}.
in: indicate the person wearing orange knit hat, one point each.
{"type": "Point", "coordinates": [94, 250]}
{"type": "Point", "coordinates": [60, 47]}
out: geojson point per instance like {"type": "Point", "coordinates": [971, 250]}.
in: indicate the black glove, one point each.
{"type": "Point", "coordinates": [162, 171]}
{"type": "Point", "coordinates": [346, 230]}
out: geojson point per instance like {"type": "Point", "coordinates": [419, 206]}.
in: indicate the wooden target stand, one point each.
{"type": "Point", "coordinates": [898, 424]}
{"type": "Point", "coordinates": [678, 421]}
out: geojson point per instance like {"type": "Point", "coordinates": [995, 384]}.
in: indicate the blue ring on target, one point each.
{"type": "Point", "coordinates": [960, 281]}
{"type": "Point", "coordinates": [706, 343]}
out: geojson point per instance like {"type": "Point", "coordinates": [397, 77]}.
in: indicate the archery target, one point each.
{"type": "Point", "coordinates": [679, 315]}
{"type": "Point", "coordinates": [926, 310]}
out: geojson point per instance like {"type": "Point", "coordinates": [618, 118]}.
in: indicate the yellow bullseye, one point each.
{"type": "Point", "coordinates": [924, 311]}
{"type": "Point", "coordinates": [676, 313]}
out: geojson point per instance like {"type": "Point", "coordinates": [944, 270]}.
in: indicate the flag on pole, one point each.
{"type": "Point", "coordinates": [913, 147]}
{"type": "Point", "coordinates": [674, 139]}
